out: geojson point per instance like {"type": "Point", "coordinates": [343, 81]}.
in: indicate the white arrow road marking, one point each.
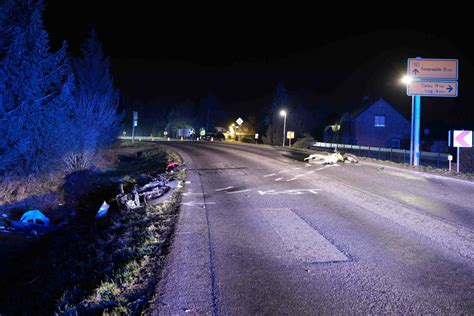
{"type": "Point", "coordinates": [290, 192]}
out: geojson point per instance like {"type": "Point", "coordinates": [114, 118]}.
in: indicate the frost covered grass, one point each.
{"type": "Point", "coordinates": [109, 266]}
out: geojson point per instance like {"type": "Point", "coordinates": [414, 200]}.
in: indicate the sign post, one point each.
{"type": "Point", "coordinates": [290, 135]}
{"type": "Point", "coordinates": [431, 78]}
{"type": "Point", "coordinates": [461, 139]}
{"type": "Point", "coordinates": [134, 124]}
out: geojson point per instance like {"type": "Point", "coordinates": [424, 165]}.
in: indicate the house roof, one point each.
{"type": "Point", "coordinates": [368, 103]}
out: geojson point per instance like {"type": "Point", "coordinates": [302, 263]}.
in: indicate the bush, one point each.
{"type": "Point", "coordinates": [304, 142]}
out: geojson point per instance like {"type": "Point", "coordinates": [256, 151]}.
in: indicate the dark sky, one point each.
{"type": "Point", "coordinates": [240, 53]}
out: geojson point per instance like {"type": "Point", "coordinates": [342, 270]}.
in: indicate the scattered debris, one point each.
{"type": "Point", "coordinates": [102, 210]}
{"type": "Point", "coordinates": [32, 223]}
{"type": "Point", "coordinates": [34, 217]}
{"type": "Point", "coordinates": [333, 158]}
{"type": "Point", "coordinates": [151, 193]}
{"type": "Point", "coordinates": [172, 166]}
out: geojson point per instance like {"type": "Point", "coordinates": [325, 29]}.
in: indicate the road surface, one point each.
{"type": "Point", "coordinates": [261, 232]}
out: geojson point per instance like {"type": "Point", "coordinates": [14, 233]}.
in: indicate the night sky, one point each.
{"type": "Point", "coordinates": [337, 54]}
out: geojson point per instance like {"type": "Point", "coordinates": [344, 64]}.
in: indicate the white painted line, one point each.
{"type": "Point", "coordinates": [292, 179]}
{"type": "Point", "coordinates": [307, 165]}
{"type": "Point", "coordinates": [201, 204]}
{"type": "Point", "coordinates": [240, 191]}
{"type": "Point", "coordinates": [284, 171]}
{"type": "Point", "coordinates": [187, 182]}
{"type": "Point", "coordinates": [300, 239]}
{"type": "Point", "coordinates": [300, 175]}
{"type": "Point", "coordinates": [290, 192]}
{"type": "Point", "coordinates": [297, 168]}
{"type": "Point", "coordinates": [272, 209]}
{"type": "Point", "coordinates": [311, 171]}
{"type": "Point", "coordinates": [269, 175]}
{"type": "Point", "coordinates": [191, 193]}
{"type": "Point", "coordinates": [223, 189]}
{"type": "Point", "coordinates": [278, 179]}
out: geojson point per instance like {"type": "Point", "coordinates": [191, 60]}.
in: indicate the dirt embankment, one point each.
{"type": "Point", "coordinates": [89, 266]}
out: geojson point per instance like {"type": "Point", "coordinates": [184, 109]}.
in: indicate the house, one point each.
{"type": "Point", "coordinates": [376, 124]}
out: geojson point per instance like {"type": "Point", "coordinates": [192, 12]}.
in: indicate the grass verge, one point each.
{"type": "Point", "coordinates": [110, 266]}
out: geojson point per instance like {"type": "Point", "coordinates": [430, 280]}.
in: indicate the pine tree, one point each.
{"type": "Point", "coordinates": [31, 77]}
{"type": "Point", "coordinates": [96, 121]}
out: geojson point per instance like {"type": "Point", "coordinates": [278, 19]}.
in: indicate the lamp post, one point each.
{"type": "Point", "coordinates": [283, 113]}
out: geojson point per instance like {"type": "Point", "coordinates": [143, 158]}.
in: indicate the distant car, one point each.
{"type": "Point", "coordinates": [215, 136]}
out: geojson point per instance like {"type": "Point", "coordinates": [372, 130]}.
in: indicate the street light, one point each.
{"type": "Point", "coordinates": [283, 113]}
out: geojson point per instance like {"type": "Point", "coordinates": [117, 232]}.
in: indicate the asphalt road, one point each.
{"type": "Point", "coordinates": [261, 232]}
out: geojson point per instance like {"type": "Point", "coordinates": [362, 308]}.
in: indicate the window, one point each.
{"type": "Point", "coordinates": [379, 121]}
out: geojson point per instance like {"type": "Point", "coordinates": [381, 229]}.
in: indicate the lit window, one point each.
{"type": "Point", "coordinates": [380, 121]}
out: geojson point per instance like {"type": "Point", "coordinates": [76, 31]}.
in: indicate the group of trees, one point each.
{"type": "Point", "coordinates": [156, 116]}
{"type": "Point", "coordinates": [56, 111]}
{"type": "Point", "coordinates": [303, 117]}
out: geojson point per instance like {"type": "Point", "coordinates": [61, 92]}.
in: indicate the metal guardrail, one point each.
{"type": "Point", "coordinates": [397, 155]}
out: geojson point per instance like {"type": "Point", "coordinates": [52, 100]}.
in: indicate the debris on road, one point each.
{"type": "Point", "coordinates": [331, 159]}
{"type": "Point", "coordinates": [102, 210]}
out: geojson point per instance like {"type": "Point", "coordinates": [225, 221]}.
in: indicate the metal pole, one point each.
{"type": "Point", "coordinates": [416, 138]}
{"type": "Point", "coordinates": [411, 130]}
{"type": "Point", "coordinates": [133, 131]}
{"type": "Point", "coordinates": [458, 161]}
{"type": "Point", "coordinates": [284, 128]}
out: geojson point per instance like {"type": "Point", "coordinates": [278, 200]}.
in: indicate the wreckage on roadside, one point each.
{"type": "Point", "coordinates": [332, 158]}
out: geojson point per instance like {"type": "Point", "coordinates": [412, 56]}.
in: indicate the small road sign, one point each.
{"type": "Point", "coordinates": [433, 88]}
{"type": "Point", "coordinates": [256, 135]}
{"type": "Point", "coordinates": [462, 138]}
{"type": "Point", "coordinates": [239, 121]}
{"type": "Point", "coordinates": [427, 68]}
{"type": "Point", "coordinates": [290, 135]}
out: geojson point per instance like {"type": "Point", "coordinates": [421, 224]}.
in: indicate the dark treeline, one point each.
{"type": "Point", "coordinates": [56, 110]}
{"type": "Point", "coordinates": [307, 115]}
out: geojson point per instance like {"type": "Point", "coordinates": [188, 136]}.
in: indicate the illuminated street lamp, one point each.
{"type": "Point", "coordinates": [407, 80]}
{"type": "Point", "coordinates": [283, 113]}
